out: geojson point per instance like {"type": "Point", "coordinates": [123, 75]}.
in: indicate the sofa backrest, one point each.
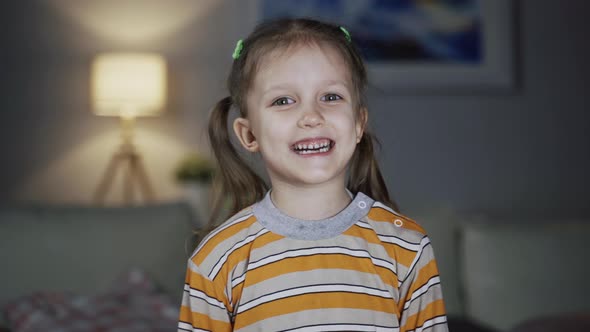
{"type": "Point", "coordinates": [516, 270]}
{"type": "Point", "coordinates": [84, 249]}
{"type": "Point", "coordinates": [442, 225]}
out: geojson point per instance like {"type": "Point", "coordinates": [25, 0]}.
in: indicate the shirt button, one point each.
{"type": "Point", "coordinates": [398, 223]}
{"type": "Point", "coordinates": [362, 204]}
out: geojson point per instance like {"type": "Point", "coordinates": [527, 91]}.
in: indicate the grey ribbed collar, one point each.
{"type": "Point", "coordinates": [277, 222]}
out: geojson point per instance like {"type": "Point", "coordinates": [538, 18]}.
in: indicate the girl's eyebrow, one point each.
{"type": "Point", "coordinates": [337, 83]}
{"type": "Point", "coordinates": [286, 86]}
{"type": "Point", "coordinates": [334, 82]}
{"type": "Point", "coordinates": [282, 86]}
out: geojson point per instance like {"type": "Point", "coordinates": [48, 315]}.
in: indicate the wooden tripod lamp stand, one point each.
{"type": "Point", "coordinates": [127, 85]}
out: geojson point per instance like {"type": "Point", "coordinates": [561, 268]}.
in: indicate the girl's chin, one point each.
{"type": "Point", "coordinates": [310, 178]}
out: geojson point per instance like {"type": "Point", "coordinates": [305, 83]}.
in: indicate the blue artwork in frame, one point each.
{"type": "Point", "coordinates": [420, 46]}
{"type": "Point", "coordinates": [398, 30]}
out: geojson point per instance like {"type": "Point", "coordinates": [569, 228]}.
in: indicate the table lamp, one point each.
{"type": "Point", "coordinates": [127, 85]}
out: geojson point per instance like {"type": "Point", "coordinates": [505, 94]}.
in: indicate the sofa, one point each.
{"type": "Point", "coordinates": [510, 273]}
{"type": "Point", "coordinates": [83, 263]}
{"type": "Point", "coordinates": [94, 267]}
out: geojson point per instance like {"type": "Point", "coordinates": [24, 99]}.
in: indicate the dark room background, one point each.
{"type": "Point", "coordinates": [524, 151]}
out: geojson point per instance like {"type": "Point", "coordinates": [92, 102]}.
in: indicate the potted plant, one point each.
{"type": "Point", "coordinates": [195, 173]}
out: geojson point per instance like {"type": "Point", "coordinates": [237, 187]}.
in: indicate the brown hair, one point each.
{"type": "Point", "coordinates": [235, 180]}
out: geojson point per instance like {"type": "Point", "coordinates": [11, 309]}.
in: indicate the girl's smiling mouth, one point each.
{"type": "Point", "coordinates": [312, 146]}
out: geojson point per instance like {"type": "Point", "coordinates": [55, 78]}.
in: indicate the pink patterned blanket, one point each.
{"type": "Point", "coordinates": [132, 304]}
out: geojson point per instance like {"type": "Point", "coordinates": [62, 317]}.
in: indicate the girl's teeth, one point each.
{"type": "Point", "coordinates": [313, 148]}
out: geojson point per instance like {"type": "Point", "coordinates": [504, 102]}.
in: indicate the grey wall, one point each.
{"type": "Point", "coordinates": [526, 151]}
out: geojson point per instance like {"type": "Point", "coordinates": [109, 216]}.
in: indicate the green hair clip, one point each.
{"type": "Point", "coordinates": [238, 50]}
{"type": "Point", "coordinates": [347, 34]}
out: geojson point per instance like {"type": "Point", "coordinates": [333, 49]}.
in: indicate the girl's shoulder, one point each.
{"type": "Point", "coordinates": [223, 237]}
{"type": "Point", "coordinates": [389, 220]}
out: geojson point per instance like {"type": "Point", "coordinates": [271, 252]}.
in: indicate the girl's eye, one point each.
{"type": "Point", "coordinates": [331, 97]}
{"type": "Point", "coordinates": [283, 101]}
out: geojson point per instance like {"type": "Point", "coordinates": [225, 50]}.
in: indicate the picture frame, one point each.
{"type": "Point", "coordinates": [493, 73]}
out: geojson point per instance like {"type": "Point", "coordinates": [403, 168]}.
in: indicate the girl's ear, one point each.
{"type": "Point", "coordinates": [361, 124]}
{"type": "Point", "coordinates": [245, 136]}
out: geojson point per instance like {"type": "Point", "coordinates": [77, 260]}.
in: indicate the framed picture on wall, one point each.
{"type": "Point", "coordinates": [410, 46]}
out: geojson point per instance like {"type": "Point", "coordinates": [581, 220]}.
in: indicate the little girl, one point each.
{"type": "Point", "coordinates": [324, 248]}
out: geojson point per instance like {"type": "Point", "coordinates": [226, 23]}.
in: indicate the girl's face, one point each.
{"type": "Point", "coordinates": [301, 117]}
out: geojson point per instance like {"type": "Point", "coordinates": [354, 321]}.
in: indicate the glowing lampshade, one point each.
{"type": "Point", "coordinates": [128, 84]}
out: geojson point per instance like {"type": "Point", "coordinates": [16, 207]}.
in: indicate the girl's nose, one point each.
{"type": "Point", "coordinates": [311, 118]}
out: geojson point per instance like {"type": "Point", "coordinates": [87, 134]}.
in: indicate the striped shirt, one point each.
{"type": "Point", "coordinates": [367, 268]}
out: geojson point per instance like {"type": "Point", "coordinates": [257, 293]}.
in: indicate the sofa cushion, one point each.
{"type": "Point", "coordinates": [514, 271]}
{"type": "Point", "coordinates": [83, 249]}
{"type": "Point", "coordinates": [570, 322]}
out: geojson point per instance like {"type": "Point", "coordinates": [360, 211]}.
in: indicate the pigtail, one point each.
{"type": "Point", "coordinates": [365, 175]}
{"type": "Point", "coordinates": [234, 180]}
